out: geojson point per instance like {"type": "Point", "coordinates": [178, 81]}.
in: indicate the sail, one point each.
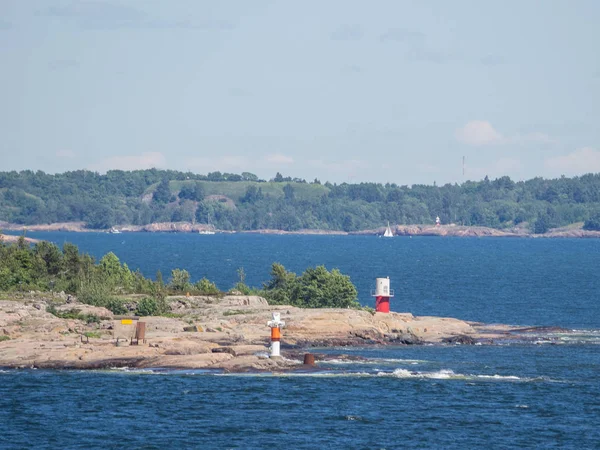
{"type": "Point", "coordinates": [388, 231]}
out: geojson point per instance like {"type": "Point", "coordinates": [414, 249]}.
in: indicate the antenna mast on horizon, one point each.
{"type": "Point", "coordinates": [463, 167]}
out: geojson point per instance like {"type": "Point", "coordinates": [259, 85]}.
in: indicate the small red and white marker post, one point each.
{"type": "Point", "coordinates": [276, 325]}
{"type": "Point", "coordinates": [382, 295]}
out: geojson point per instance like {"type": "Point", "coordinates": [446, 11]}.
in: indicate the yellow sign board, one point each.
{"type": "Point", "coordinates": [126, 321]}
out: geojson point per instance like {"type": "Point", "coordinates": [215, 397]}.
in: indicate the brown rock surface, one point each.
{"type": "Point", "coordinates": [234, 334]}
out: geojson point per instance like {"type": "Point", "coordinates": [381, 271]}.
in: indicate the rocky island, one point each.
{"type": "Point", "coordinates": [207, 332]}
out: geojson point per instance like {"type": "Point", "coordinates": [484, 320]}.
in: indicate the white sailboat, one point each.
{"type": "Point", "coordinates": [209, 230]}
{"type": "Point", "coordinates": [388, 231]}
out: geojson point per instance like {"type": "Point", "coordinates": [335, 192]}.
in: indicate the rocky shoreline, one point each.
{"type": "Point", "coordinates": [227, 334]}
{"type": "Point", "coordinates": [399, 230]}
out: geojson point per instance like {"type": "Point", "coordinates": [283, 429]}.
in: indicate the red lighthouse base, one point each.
{"type": "Point", "coordinates": [382, 304]}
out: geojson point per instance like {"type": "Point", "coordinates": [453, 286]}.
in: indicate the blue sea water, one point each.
{"type": "Point", "coordinates": [543, 394]}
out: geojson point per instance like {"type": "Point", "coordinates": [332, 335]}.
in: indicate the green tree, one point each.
{"type": "Point", "coordinates": [593, 223]}
{"type": "Point", "coordinates": [149, 306]}
{"type": "Point", "coordinates": [180, 280]}
{"type": "Point", "coordinates": [51, 255]}
{"type": "Point", "coordinates": [252, 195]}
{"type": "Point", "coordinates": [162, 194]}
{"type": "Point", "coordinates": [247, 176]}
{"type": "Point", "coordinates": [315, 288]}
{"type": "Point", "coordinates": [206, 287]}
{"type": "Point", "coordinates": [193, 192]}
{"type": "Point", "coordinates": [541, 225]}
{"type": "Point", "coordinates": [288, 192]}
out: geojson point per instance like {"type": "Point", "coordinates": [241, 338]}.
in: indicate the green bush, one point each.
{"type": "Point", "coordinates": [149, 306]}
{"type": "Point", "coordinates": [74, 314]}
{"type": "Point", "coordinates": [206, 287]}
{"type": "Point", "coordinates": [116, 306]}
{"type": "Point", "coordinates": [4, 338]}
{"type": "Point", "coordinates": [92, 334]}
{"type": "Point", "coordinates": [244, 288]}
{"type": "Point", "coordinates": [315, 288]}
{"type": "Point", "coordinates": [94, 293]}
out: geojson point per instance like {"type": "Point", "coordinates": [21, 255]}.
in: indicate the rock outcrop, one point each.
{"type": "Point", "coordinates": [228, 333]}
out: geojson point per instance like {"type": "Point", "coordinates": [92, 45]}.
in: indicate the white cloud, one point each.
{"type": "Point", "coordinates": [481, 132]}
{"type": "Point", "coordinates": [478, 132]}
{"type": "Point", "coordinates": [584, 160]}
{"type": "Point", "coordinates": [278, 158]}
{"type": "Point", "coordinates": [131, 162]}
{"type": "Point", "coordinates": [65, 154]}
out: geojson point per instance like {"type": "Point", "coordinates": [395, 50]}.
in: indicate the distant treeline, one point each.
{"type": "Point", "coordinates": [108, 282]}
{"type": "Point", "coordinates": [244, 202]}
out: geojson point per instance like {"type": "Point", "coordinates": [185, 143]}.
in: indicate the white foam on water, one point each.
{"type": "Point", "coordinates": [447, 374]}
{"type": "Point", "coordinates": [444, 374]}
{"type": "Point", "coordinates": [131, 370]}
{"type": "Point", "coordinates": [373, 361]}
{"type": "Point", "coordinates": [298, 374]}
{"type": "Point", "coordinates": [503, 377]}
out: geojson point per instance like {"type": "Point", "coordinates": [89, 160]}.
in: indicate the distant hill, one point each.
{"type": "Point", "coordinates": [243, 202]}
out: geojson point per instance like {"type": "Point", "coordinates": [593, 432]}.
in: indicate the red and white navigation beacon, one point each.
{"type": "Point", "coordinates": [382, 295]}
{"type": "Point", "coordinates": [276, 325]}
{"type": "Point", "coordinates": [438, 222]}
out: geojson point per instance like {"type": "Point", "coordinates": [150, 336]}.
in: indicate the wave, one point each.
{"type": "Point", "coordinates": [398, 373]}
{"type": "Point", "coordinates": [372, 361]}
{"type": "Point", "coordinates": [447, 374]}
{"type": "Point", "coordinates": [443, 374]}
{"type": "Point", "coordinates": [128, 370]}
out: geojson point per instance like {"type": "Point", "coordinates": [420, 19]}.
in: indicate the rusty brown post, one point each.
{"type": "Point", "coordinates": [140, 333]}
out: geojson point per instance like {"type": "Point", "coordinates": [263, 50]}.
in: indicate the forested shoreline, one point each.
{"type": "Point", "coordinates": [245, 202]}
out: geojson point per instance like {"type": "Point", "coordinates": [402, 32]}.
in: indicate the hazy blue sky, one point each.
{"type": "Point", "coordinates": [343, 90]}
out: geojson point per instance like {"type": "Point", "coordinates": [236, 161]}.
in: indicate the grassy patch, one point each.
{"type": "Point", "coordinates": [368, 309]}
{"type": "Point", "coordinates": [237, 189]}
{"type": "Point", "coordinates": [74, 314]}
{"type": "Point", "coordinates": [173, 315]}
{"type": "Point", "coordinates": [235, 312]}
{"type": "Point", "coordinates": [92, 334]}
{"type": "Point", "coordinates": [4, 338]}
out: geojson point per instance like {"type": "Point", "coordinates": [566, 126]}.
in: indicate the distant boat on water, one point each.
{"type": "Point", "coordinates": [388, 231]}
{"type": "Point", "coordinates": [114, 230]}
{"type": "Point", "coordinates": [209, 230]}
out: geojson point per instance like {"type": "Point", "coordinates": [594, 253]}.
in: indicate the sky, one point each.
{"type": "Point", "coordinates": [392, 91]}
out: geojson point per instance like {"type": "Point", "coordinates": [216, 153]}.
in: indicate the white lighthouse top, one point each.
{"type": "Point", "coordinates": [276, 322]}
{"type": "Point", "coordinates": [382, 288]}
